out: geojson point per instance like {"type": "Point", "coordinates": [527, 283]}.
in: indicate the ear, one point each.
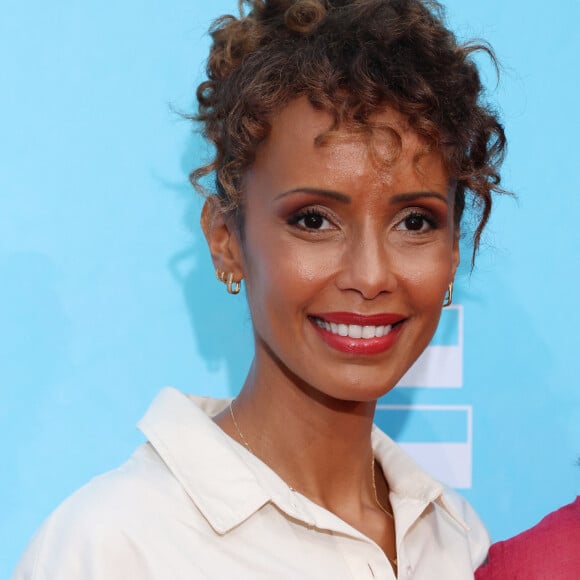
{"type": "Point", "coordinates": [222, 236]}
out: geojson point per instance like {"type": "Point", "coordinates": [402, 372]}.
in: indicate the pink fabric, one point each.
{"type": "Point", "coordinates": [548, 551]}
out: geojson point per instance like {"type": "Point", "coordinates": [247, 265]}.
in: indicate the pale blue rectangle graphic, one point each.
{"type": "Point", "coordinates": [447, 333]}
{"type": "Point", "coordinates": [412, 425]}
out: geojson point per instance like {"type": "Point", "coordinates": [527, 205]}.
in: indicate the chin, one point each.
{"type": "Point", "coordinates": [362, 391]}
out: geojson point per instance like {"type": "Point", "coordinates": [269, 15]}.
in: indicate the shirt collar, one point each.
{"type": "Point", "coordinates": [410, 485]}
{"type": "Point", "coordinates": [203, 459]}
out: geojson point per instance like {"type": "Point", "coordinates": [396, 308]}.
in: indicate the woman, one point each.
{"type": "Point", "coordinates": [547, 550]}
{"type": "Point", "coordinates": [347, 136]}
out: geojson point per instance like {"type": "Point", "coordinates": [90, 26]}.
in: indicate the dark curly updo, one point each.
{"type": "Point", "coordinates": [350, 58]}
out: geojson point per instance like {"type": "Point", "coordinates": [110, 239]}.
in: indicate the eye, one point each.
{"type": "Point", "coordinates": [416, 222]}
{"type": "Point", "coordinates": [310, 219]}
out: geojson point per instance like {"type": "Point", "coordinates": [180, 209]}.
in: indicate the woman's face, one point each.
{"type": "Point", "coordinates": [346, 258]}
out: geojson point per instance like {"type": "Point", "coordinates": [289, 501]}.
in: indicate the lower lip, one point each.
{"type": "Point", "coordinates": [360, 346]}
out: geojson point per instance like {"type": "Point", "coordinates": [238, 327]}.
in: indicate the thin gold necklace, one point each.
{"type": "Point", "coordinates": [242, 438]}
{"type": "Point", "coordinates": [377, 501]}
{"type": "Point", "coordinates": [393, 561]}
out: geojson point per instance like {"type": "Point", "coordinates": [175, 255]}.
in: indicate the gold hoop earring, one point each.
{"type": "Point", "coordinates": [232, 285]}
{"type": "Point", "coordinates": [448, 295]}
{"type": "Point", "coordinates": [220, 275]}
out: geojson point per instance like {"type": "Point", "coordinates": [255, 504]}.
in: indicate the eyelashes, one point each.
{"type": "Point", "coordinates": [414, 221]}
{"type": "Point", "coordinates": [418, 221]}
{"type": "Point", "coordinates": [311, 219]}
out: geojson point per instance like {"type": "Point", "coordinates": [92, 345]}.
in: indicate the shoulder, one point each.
{"type": "Point", "coordinates": [547, 550]}
{"type": "Point", "coordinates": [459, 507]}
{"type": "Point", "coordinates": [113, 513]}
{"type": "Point", "coordinates": [131, 492]}
{"type": "Point", "coordinates": [476, 532]}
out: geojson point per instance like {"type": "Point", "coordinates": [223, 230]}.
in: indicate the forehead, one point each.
{"type": "Point", "coordinates": [302, 146]}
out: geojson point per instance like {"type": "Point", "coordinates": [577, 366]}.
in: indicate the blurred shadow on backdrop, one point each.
{"type": "Point", "coordinates": [220, 323]}
{"type": "Point", "coordinates": [32, 321]}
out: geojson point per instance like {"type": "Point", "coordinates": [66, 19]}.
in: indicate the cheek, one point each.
{"type": "Point", "coordinates": [275, 278]}
{"type": "Point", "coordinates": [426, 274]}
{"type": "Point", "coordinates": [273, 265]}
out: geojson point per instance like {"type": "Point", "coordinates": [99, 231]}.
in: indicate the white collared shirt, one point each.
{"type": "Point", "coordinates": [192, 503]}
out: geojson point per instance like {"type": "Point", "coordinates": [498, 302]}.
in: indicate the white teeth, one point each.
{"type": "Point", "coordinates": [368, 332]}
{"type": "Point", "coordinates": [354, 330]}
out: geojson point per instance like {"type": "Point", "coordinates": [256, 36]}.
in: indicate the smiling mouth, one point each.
{"type": "Point", "coordinates": [358, 334]}
{"type": "Point", "coordinates": [353, 330]}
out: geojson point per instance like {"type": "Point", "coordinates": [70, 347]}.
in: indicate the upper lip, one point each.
{"type": "Point", "coordinates": [382, 319]}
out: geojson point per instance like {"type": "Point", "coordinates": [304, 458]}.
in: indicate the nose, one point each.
{"type": "Point", "coordinates": [367, 266]}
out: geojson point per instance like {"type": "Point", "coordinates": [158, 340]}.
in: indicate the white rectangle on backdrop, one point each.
{"type": "Point", "coordinates": [441, 364]}
{"type": "Point", "coordinates": [445, 452]}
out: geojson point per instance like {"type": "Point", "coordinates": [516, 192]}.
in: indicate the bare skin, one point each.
{"type": "Point", "coordinates": [382, 241]}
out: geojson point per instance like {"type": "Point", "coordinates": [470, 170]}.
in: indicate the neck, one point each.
{"type": "Point", "coordinates": [319, 445]}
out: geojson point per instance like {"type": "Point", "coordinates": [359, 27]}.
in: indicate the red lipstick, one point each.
{"type": "Point", "coordinates": [359, 334]}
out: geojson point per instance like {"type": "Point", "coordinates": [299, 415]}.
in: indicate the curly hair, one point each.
{"type": "Point", "coordinates": [350, 58]}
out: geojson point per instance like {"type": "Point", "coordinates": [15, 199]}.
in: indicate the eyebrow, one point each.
{"type": "Point", "coordinates": [414, 195]}
{"type": "Point", "coordinates": [336, 195]}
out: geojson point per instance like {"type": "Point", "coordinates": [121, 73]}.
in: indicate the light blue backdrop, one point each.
{"type": "Point", "coordinates": [107, 292]}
